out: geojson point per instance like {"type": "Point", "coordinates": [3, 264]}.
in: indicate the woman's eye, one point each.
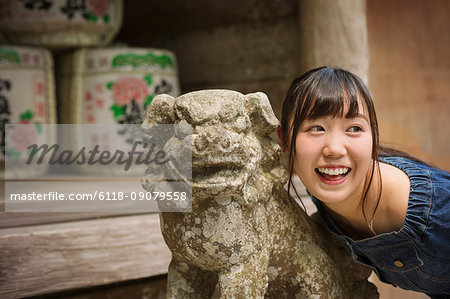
{"type": "Point", "coordinates": [355, 129]}
{"type": "Point", "coordinates": [316, 129]}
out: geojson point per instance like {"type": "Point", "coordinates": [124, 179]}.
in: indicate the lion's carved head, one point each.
{"type": "Point", "coordinates": [230, 137]}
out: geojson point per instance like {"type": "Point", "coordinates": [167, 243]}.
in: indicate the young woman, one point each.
{"type": "Point", "coordinates": [390, 210]}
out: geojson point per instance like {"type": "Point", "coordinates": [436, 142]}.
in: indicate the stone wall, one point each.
{"type": "Point", "coordinates": [257, 45]}
{"type": "Point", "coordinates": [247, 45]}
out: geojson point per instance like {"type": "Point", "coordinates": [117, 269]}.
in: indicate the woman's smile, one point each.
{"type": "Point", "coordinates": [333, 175]}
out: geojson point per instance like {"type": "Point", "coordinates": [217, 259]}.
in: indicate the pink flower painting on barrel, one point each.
{"type": "Point", "coordinates": [99, 7]}
{"type": "Point", "coordinates": [23, 136]}
{"type": "Point", "coordinates": [127, 89]}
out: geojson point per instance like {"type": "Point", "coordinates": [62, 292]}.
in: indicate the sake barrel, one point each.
{"type": "Point", "coordinates": [27, 97]}
{"type": "Point", "coordinates": [59, 24]}
{"type": "Point", "coordinates": [113, 86]}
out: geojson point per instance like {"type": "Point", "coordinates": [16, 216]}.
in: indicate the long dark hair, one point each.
{"type": "Point", "coordinates": [323, 92]}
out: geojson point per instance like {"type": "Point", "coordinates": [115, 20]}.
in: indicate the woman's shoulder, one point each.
{"type": "Point", "coordinates": [425, 180]}
{"type": "Point", "coordinates": [414, 167]}
{"type": "Point", "coordinates": [394, 198]}
{"type": "Point", "coordinates": [428, 209]}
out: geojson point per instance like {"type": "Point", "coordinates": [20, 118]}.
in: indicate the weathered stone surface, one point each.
{"type": "Point", "coordinates": [250, 45]}
{"type": "Point", "coordinates": [238, 53]}
{"type": "Point", "coordinates": [243, 234]}
{"type": "Point", "coordinates": [175, 17]}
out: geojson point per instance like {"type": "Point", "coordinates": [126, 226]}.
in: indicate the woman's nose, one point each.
{"type": "Point", "coordinates": [335, 146]}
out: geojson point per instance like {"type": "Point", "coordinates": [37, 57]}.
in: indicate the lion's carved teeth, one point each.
{"type": "Point", "coordinates": [333, 171]}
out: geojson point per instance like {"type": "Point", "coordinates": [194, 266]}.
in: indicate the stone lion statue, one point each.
{"type": "Point", "coordinates": [244, 236]}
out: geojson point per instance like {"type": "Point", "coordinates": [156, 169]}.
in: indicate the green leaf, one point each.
{"type": "Point", "coordinates": [118, 110]}
{"type": "Point", "coordinates": [38, 127]}
{"type": "Point", "coordinates": [148, 79]}
{"type": "Point", "coordinates": [106, 18]}
{"type": "Point", "coordinates": [26, 115]}
{"type": "Point", "coordinates": [109, 85]}
{"type": "Point", "coordinates": [10, 55]}
{"type": "Point", "coordinates": [148, 100]}
{"type": "Point", "coordinates": [13, 153]}
{"type": "Point", "coordinates": [92, 17]}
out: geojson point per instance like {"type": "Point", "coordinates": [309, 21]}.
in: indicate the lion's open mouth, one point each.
{"type": "Point", "coordinates": [212, 175]}
{"type": "Point", "coordinates": [219, 165]}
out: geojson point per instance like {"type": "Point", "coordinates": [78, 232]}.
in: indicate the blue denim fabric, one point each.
{"type": "Point", "coordinates": [417, 257]}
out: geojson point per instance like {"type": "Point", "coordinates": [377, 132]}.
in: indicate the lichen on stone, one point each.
{"type": "Point", "coordinates": [243, 234]}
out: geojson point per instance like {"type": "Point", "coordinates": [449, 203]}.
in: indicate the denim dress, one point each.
{"type": "Point", "coordinates": [417, 257]}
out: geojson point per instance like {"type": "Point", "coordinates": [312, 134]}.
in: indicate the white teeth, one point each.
{"type": "Point", "coordinates": [334, 171]}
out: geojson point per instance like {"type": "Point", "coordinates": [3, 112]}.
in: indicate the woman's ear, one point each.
{"type": "Point", "coordinates": [283, 145]}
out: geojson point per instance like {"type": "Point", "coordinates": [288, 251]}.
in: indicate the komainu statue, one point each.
{"type": "Point", "coordinates": [243, 235]}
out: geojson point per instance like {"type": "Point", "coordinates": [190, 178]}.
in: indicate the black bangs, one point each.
{"type": "Point", "coordinates": [329, 93]}
{"type": "Point", "coordinates": [323, 92]}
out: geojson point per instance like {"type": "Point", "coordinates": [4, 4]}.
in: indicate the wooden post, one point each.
{"type": "Point", "coordinates": [334, 33]}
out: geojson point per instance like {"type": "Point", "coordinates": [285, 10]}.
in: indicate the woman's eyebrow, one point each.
{"type": "Point", "coordinates": [359, 115]}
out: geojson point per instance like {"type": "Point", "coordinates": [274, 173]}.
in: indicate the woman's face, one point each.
{"type": "Point", "coordinates": [334, 155]}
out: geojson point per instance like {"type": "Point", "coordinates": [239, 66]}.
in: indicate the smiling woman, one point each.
{"type": "Point", "coordinates": [331, 111]}
{"type": "Point", "coordinates": [387, 208]}
{"type": "Point", "coordinates": [338, 154]}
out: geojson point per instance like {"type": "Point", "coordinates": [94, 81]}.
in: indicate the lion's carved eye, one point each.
{"type": "Point", "coordinates": [200, 143]}
{"type": "Point", "coordinates": [224, 142]}
{"type": "Point", "coordinates": [228, 113]}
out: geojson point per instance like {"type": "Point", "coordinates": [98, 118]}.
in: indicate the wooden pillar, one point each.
{"type": "Point", "coordinates": [334, 33]}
